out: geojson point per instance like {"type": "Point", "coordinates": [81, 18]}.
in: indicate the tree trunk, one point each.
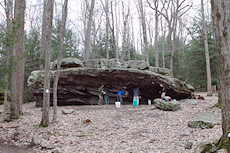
{"type": "Point", "coordinates": [61, 35]}
{"type": "Point", "coordinates": [17, 80]}
{"type": "Point", "coordinates": [163, 43]}
{"type": "Point", "coordinates": [173, 44]}
{"type": "Point", "coordinates": [9, 16]}
{"type": "Point", "coordinates": [43, 39]}
{"type": "Point", "coordinates": [113, 32]}
{"type": "Point", "coordinates": [129, 40]}
{"type": "Point", "coordinates": [107, 29]}
{"type": "Point", "coordinates": [19, 50]}
{"type": "Point", "coordinates": [88, 32]}
{"type": "Point", "coordinates": [156, 36]}
{"type": "Point", "coordinates": [221, 16]}
{"type": "Point", "coordinates": [143, 23]}
{"type": "Point", "coordinates": [209, 82]}
{"type": "Point", "coordinates": [124, 37]}
{"type": "Point", "coordinates": [133, 38]}
{"type": "Point", "coordinates": [47, 33]}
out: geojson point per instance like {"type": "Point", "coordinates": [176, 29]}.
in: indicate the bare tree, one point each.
{"type": "Point", "coordinates": [112, 28]}
{"type": "Point", "coordinates": [107, 28]}
{"type": "Point", "coordinates": [61, 35]}
{"type": "Point", "coordinates": [96, 31]}
{"type": "Point", "coordinates": [43, 39]}
{"type": "Point", "coordinates": [124, 37]}
{"type": "Point", "coordinates": [47, 33]}
{"type": "Point", "coordinates": [129, 40]}
{"type": "Point", "coordinates": [88, 31]}
{"type": "Point", "coordinates": [172, 11]}
{"type": "Point", "coordinates": [221, 16]}
{"type": "Point", "coordinates": [163, 30]}
{"type": "Point", "coordinates": [156, 4]}
{"type": "Point", "coordinates": [209, 84]}
{"type": "Point", "coordinates": [133, 37]}
{"type": "Point", "coordinates": [143, 23]}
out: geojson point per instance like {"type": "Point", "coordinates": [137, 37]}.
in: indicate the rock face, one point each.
{"type": "Point", "coordinates": [79, 85]}
{"type": "Point", "coordinates": [166, 105]}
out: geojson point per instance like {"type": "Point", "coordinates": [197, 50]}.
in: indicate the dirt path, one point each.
{"type": "Point", "coordinates": [6, 148]}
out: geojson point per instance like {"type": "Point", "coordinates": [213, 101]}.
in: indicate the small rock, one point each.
{"type": "Point", "coordinates": [36, 140]}
{"type": "Point", "coordinates": [188, 145]}
{"type": "Point", "coordinates": [57, 150]}
{"type": "Point", "coordinates": [15, 136]}
{"type": "Point", "coordinates": [45, 144]}
{"type": "Point", "coordinates": [192, 101]}
{"type": "Point", "coordinates": [67, 111]}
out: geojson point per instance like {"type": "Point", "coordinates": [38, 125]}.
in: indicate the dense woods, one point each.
{"type": "Point", "coordinates": [165, 34]}
{"type": "Point", "coordinates": [174, 34]}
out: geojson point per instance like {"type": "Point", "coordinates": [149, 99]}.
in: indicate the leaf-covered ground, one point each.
{"type": "Point", "coordinates": [109, 129]}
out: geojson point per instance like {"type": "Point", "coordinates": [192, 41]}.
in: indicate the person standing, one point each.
{"type": "Point", "coordinates": [106, 95]}
{"type": "Point", "coordinates": [100, 94]}
{"type": "Point", "coordinates": [163, 91]}
{"type": "Point", "coordinates": [136, 95]}
{"type": "Point", "coordinates": [119, 96]}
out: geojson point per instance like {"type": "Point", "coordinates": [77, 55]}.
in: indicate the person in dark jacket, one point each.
{"type": "Point", "coordinates": [120, 94]}
{"type": "Point", "coordinates": [136, 95]}
{"type": "Point", "coordinates": [106, 95]}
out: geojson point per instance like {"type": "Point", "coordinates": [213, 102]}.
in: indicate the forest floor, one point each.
{"type": "Point", "coordinates": [106, 128]}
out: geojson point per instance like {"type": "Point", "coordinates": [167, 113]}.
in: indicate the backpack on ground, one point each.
{"type": "Point", "coordinates": [167, 98]}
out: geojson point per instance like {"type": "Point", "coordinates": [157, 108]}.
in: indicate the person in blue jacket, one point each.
{"type": "Point", "coordinates": [120, 94]}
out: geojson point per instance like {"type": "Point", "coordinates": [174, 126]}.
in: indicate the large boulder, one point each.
{"type": "Point", "coordinates": [105, 63]}
{"type": "Point", "coordinates": [163, 71]}
{"type": "Point", "coordinates": [79, 85]}
{"type": "Point", "coordinates": [166, 105]}
{"type": "Point", "coordinates": [67, 63]}
{"type": "Point", "coordinates": [136, 64]}
{"type": "Point", "coordinates": [204, 121]}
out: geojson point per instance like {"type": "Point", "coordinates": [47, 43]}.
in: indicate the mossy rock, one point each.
{"type": "Point", "coordinates": [226, 144]}
{"type": "Point", "coordinates": [200, 124]}
{"type": "Point", "coordinates": [204, 121]}
{"type": "Point", "coordinates": [209, 148]}
{"type": "Point", "coordinates": [217, 105]}
{"type": "Point", "coordinates": [166, 105]}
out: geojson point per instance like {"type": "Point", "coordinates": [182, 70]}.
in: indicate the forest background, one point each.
{"type": "Point", "coordinates": [172, 38]}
